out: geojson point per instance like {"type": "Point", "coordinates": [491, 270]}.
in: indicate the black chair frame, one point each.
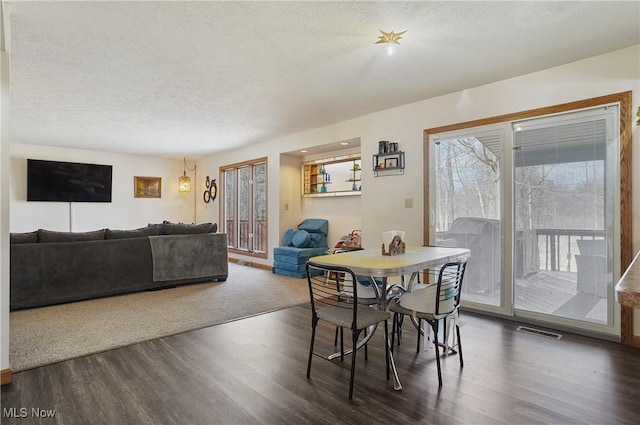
{"type": "Point", "coordinates": [451, 275]}
{"type": "Point", "coordinates": [327, 291]}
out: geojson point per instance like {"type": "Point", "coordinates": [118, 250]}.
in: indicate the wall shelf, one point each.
{"type": "Point", "coordinates": [355, 176]}
{"type": "Point", "coordinates": [389, 163]}
{"type": "Point", "coordinates": [332, 177]}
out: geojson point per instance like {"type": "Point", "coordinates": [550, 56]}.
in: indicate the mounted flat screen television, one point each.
{"type": "Point", "coordinates": [56, 181]}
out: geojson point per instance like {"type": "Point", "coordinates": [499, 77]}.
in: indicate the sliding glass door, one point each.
{"type": "Point", "coordinates": [467, 207]}
{"type": "Point", "coordinates": [563, 209]}
{"type": "Point", "coordinates": [536, 202]}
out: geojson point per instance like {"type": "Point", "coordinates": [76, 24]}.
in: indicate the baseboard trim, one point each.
{"type": "Point", "coordinates": [250, 263]}
{"type": "Point", "coordinates": [5, 376]}
{"type": "Point", "coordinates": [262, 266]}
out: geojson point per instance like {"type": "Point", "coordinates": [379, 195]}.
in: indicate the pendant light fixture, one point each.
{"type": "Point", "coordinates": [184, 182]}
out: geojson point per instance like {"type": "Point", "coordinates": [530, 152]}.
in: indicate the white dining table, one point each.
{"type": "Point", "coordinates": [371, 262]}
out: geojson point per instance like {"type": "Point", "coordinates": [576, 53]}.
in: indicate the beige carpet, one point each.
{"type": "Point", "coordinates": [48, 335]}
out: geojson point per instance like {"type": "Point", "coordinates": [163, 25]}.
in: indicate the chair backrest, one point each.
{"type": "Point", "coordinates": [332, 286]}
{"type": "Point", "coordinates": [369, 292]}
{"type": "Point", "coordinates": [592, 246]}
{"type": "Point", "coordinates": [443, 296]}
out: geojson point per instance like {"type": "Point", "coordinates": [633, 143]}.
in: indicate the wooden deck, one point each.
{"type": "Point", "coordinates": [551, 292]}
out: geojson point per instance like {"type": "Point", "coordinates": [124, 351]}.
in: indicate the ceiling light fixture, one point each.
{"type": "Point", "coordinates": [390, 39]}
{"type": "Point", "coordinates": [344, 143]}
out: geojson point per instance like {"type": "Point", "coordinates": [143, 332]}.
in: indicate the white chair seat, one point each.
{"type": "Point", "coordinates": [423, 300]}
{"type": "Point", "coordinates": [432, 303]}
{"type": "Point", "coordinates": [343, 316]}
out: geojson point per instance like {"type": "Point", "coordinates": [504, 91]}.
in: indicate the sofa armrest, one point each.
{"type": "Point", "coordinates": [195, 256]}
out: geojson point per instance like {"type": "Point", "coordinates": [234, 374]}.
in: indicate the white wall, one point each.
{"type": "Point", "coordinates": [382, 203]}
{"type": "Point", "coordinates": [290, 208]}
{"type": "Point", "coordinates": [124, 212]}
{"type": "Point", "coordinates": [382, 199]}
{"type": "Point", "coordinates": [344, 214]}
{"type": "Point", "coordinates": [4, 209]}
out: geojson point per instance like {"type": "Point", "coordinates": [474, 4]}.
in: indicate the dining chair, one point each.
{"type": "Point", "coordinates": [334, 299]}
{"type": "Point", "coordinates": [432, 303]}
{"type": "Point", "coordinates": [369, 293]}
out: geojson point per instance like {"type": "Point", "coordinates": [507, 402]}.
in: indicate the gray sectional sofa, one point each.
{"type": "Point", "coordinates": [58, 267]}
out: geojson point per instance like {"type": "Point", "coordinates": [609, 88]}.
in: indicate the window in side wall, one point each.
{"type": "Point", "coordinates": [244, 206]}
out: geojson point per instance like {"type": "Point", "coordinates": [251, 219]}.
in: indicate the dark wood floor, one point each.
{"type": "Point", "coordinates": [252, 371]}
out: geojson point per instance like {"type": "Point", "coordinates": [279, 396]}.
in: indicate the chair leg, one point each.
{"type": "Point", "coordinates": [341, 344]}
{"type": "Point", "coordinates": [313, 338]}
{"type": "Point", "coordinates": [434, 325]}
{"type": "Point", "coordinates": [459, 345]}
{"type": "Point", "coordinates": [394, 329]}
{"type": "Point", "coordinates": [386, 345]}
{"type": "Point", "coordinates": [445, 337]}
{"type": "Point", "coordinates": [366, 351]}
{"type": "Point", "coordinates": [354, 339]}
{"type": "Point", "coordinates": [419, 334]}
{"type": "Point", "coordinates": [335, 339]}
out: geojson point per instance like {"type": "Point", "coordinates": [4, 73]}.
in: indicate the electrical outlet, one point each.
{"type": "Point", "coordinates": [408, 202]}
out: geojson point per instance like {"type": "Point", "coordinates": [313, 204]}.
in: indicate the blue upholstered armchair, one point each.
{"type": "Point", "coordinates": [298, 246]}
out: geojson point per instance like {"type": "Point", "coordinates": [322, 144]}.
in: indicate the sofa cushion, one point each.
{"type": "Point", "coordinates": [214, 228]}
{"type": "Point", "coordinates": [134, 233]}
{"type": "Point", "coordinates": [158, 225]}
{"type": "Point", "coordinates": [289, 273]}
{"type": "Point", "coordinates": [46, 236]}
{"type": "Point", "coordinates": [28, 237]}
{"type": "Point", "coordinates": [301, 239]}
{"type": "Point", "coordinates": [290, 254]}
{"type": "Point", "coordinates": [185, 229]}
{"type": "Point", "coordinates": [287, 239]}
{"type": "Point", "coordinates": [315, 225]}
{"type": "Point", "coordinates": [318, 240]}
{"type": "Point", "coordinates": [299, 268]}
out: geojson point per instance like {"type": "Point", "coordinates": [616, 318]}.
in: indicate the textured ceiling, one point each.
{"type": "Point", "coordinates": [195, 78]}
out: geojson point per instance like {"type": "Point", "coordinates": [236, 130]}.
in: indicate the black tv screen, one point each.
{"type": "Point", "coordinates": [68, 181]}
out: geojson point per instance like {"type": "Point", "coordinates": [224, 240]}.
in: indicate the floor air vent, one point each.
{"type": "Point", "coordinates": [540, 332]}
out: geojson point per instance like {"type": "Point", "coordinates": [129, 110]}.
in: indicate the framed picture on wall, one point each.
{"type": "Point", "coordinates": [391, 163]}
{"type": "Point", "coordinates": [147, 187]}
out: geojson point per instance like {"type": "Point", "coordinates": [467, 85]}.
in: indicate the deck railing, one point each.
{"type": "Point", "coordinates": [536, 249]}
{"type": "Point", "coordinates": [256, 242]}
{"type": "Point", "coordinates": [556, 245]}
